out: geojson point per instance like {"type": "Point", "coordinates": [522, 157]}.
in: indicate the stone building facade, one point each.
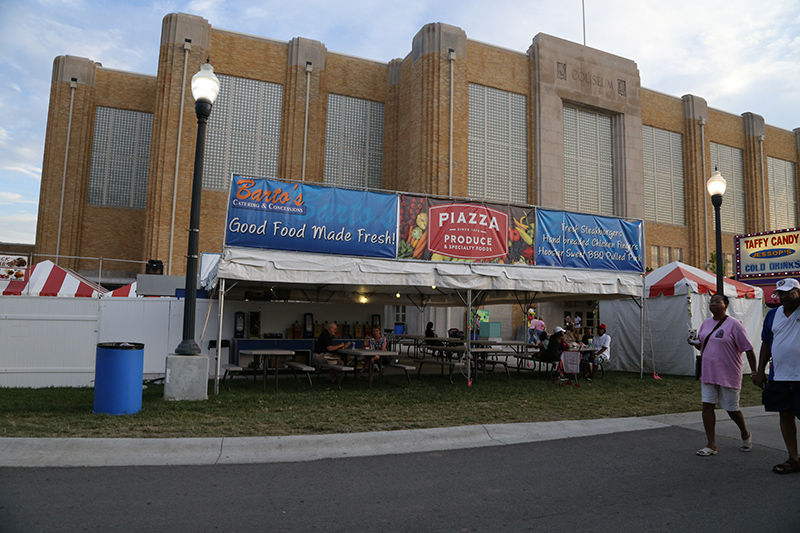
{"type": "Point", "coordinates": [560, 126]}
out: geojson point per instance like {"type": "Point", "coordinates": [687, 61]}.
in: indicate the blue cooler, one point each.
{"type": "Point", "coordinates": [118, 376]}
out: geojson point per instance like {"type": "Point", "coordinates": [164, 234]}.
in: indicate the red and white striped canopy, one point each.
{"type": "Point", "coordinates": [128, 291]}
{"type": "Point", "coordinates": [49, 279]}
{"type": "Point", "coordinates": [677, 278]}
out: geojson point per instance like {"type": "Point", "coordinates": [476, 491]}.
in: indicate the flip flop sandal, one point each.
{"type": "Point", "coordinates": [790, 466]}
{"type": "Point", "coordinates": [706, 452]}
{"type": "Point", "coordinates": [747, 444]}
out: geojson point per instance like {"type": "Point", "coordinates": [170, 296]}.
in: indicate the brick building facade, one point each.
{"type": "Point", "coordinates": [119, 150]}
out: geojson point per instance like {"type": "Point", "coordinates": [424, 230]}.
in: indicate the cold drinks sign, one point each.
{"type": "Point", "coordinates": [770, 254]}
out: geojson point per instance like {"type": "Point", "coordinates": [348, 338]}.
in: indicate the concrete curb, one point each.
{"type": "Point", "coordinates": [72, 452]}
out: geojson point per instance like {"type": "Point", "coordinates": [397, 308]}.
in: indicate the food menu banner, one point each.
{"type": "Point", "coordinates": [572, 240]}
{"type": "Point", "coordinates": [271, 214]}
{"type": "Point", "coordinates": [14, 267]}
{"type": "Point", "coordinates": [767, 255]}
{"type": "Point", "coordinates": [446, 230]}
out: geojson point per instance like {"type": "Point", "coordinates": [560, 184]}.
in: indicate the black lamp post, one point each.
{"type": "Point", "coordinates": [205, 88]}
{"type": "Point", "coordinates": [716, 185]}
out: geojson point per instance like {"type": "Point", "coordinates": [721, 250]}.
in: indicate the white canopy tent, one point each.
{"type": "Point", "coordinates": [677, 297]}
{"type": "Point", "coordinates": [322, 278]}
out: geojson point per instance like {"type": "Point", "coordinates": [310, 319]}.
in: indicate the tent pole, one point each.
{"type": "Point", "coordinates": [469, 336]}
{"type": "Point", "coordinates": [641, 330]}
{"type": "Point", "coordinates": [221, 300]}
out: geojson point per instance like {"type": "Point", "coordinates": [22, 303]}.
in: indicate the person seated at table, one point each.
{"type": "Point", "coordinates": [429, 330]}
{"type": "Point", "coordinates": [552, 353]}
{"type": "Point", "coordinates": [570, 338]}
{"type": "Point", "coordinates": [325, 350]}
{"type": "Point", "coordinates": [602, 352]}
{"type": "Point", "coordinates": [376, 341]}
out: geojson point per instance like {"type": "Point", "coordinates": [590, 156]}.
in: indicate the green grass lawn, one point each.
{"type": "Point", "coordinates": [431, 401]}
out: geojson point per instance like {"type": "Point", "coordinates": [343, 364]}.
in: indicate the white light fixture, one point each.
{"type": "Point", "coordinates": [362, 299]}
{"type": "Point", "coordinates": [205, 85]}
{"type": "Point", "coordinates": [397, 295]}
{"type": "Point", "coordinates": [716, 184]}
{"type": "Point", "coordinates": [433, 287]}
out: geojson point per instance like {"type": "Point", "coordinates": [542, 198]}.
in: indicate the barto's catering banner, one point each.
{"type": "Point", "coordinates": [769, 254]}
{"type": "Point", "coordinates": [446, 230]}
{"type": "Point", "coordinates": [572, 240]}
{"type": "Point", "coordinates": [271, 214]}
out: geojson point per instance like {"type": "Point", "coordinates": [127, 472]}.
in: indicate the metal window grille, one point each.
{"type": "Point", "coordinates": [120, 158]}
{"type": "Point", "coordinates": [730, 162]}
{"type": "Point", "coordinates": [588, 162]}
{"type": "Point", "coordinates": [243, 135]}
{"type": "Point", "coordinates": [663, 176]}
{"type": "Point", "coordinates": [782, 193]}
{"type": "Point", "coordinates": [354, 143]}
{"type": "Point", "coordinates": [497, 145]}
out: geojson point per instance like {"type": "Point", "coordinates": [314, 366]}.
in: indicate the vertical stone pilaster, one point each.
{"type": "Point", "coordinates": [695, 112]}
{"type": "Point", "coordinates": [391, 120]}
{"type": "Point", "coordinates": [425, 121]}
{"type": "Point", "coordinates": [307, 59]}
{"type": "Point", "coordinates": [73, 81]}
{"type": "Point", "coordinates": [754, 173]}
{"type": "Point", "coordinates": [185, 46]}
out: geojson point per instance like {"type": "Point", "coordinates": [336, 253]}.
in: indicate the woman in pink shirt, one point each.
{"type": "Point", "coordinates": [721, 341]}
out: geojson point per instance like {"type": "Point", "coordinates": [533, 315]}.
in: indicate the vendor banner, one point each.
{"type": "Point", "coordinates": [572, 240]}
{"type": "Point", "coordinates": [447, 230]}
{"type": "Point", "coordinates": [767, 255]}
{"type": "Point", "coordinates": [299, 217]}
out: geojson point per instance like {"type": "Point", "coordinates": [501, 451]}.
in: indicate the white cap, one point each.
{"type": "Point", "coordinates": [786, 285]}
{"type": "Point", "coordinates": [558, 329]}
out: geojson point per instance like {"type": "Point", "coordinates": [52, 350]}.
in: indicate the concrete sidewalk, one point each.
{"type": "Point", "coordinates": [74, 452]}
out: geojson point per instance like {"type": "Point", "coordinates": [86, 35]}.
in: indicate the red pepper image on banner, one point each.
{"type": "Point", "coordinates": [469, 231]}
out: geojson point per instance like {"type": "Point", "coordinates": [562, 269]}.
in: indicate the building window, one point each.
{"type": "Point", "coordinates": [354, 143]}
{"type": "Point", "coordinates": [663, 176]}
{"type": "Point", "coordinates": [498, 145]}
{"type": "Point", "coordinates": [120, 158]}
{"type": "Point", "coordinates": [782, 194]}
{"type": "Point", "coordinates": [588, 162]}
{"type": "Point", "coordinates": [654, 257]}
{"type": "Point", "coordinates": [399, 314]}
{"type": "Point", "coordinates": [665, 256]}
{"type": "Point", "coordinates": [730, 163]}
{"type": "Point", "coordinates": [243, 135]}
{"type": "Point", "coordinates": [677, 254]}
{"type": "Point", "coordinates": [728, 265]}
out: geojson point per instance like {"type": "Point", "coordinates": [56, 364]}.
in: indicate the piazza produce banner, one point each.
{"type": "Point", "coordinates": [447, 230]}
{"type": "Point", "coordinates": [270, 214]}
{"type": "Point", "coordinates": [768, 254]}
{"type": "Point", "coordinates": [572, 240]}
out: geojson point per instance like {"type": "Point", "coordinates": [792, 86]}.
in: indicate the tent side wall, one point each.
{"type": "Point", "coordinates": [47, 341]}
{"type": "Point", "coordinates": [667, 321]}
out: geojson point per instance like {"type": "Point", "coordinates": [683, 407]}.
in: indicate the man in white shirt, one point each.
{"type": "Point", "coordinates": [780, 341]}
{"type": "Point", "coordinates": [602, 352]}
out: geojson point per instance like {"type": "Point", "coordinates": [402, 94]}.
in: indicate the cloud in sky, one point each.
{"type": "Point", "coordinates": [739, 55]}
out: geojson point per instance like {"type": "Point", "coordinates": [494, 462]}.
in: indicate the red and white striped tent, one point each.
{"type": "Point", "coordinates": [128, 291]}
{"type": "Point", "coordinates": [678, 278]}
{"type": "Point", "coordinates": [48, 279]}
{"type": "Point", "coordinates": [676, 300]}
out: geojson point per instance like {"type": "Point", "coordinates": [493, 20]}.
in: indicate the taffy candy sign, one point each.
{"type": "Point", "coordinates": [769, 254]}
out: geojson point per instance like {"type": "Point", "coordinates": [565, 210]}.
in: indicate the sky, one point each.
{"type": "Point", "coordinates": [739, 55]}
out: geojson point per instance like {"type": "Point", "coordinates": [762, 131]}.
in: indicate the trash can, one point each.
{"type": "Point", "coordinates": [399, 328]}
{"type": "Point", "coordinates": [118, 376]}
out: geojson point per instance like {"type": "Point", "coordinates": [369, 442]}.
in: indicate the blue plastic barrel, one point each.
{"type": "Point", "coordinates": [118, 376]}
{"type": "Point", "coordinates": [399, 328]}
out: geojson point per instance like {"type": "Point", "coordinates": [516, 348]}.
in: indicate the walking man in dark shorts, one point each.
{"type": "Point", "coordinates": [780, 341]}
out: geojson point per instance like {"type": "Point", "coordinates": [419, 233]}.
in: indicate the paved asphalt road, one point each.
{"type": "Point", "coordinates": [605, 476]}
